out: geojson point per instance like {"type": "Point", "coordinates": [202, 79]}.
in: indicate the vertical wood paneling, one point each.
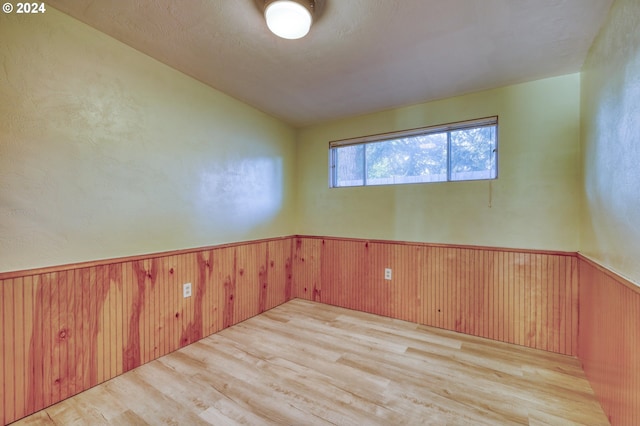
{"type": "Point", "coordinates": [9, 355]}
{"type": "Point", "coordinates": [188, 274]}
{"type": "Point", "coordinates": [65, 331]}
{"type": "Point", "coordinates": [46, 304]}
{"type": "Point", "coordinates": [69, 333]}
{"type": "Point", "coordinates": [405, 299]}
{"type": "Point", "coordinates": [263, 282]}
{"type": "Point", "coordinates": [168, 288]}
{"type": "Point", "coordinates": [467, 316]}
{"type": "Point", "coordinates": [514, 297]}
{"type": "Point", "coordinates": [609, 341]}
{"type": "Point", "coordinates": [128, 350]}
{"type": "Point", "coordinates": [434, 277]}
{"type": "Point", "coordinates": [61, 346]}
{"type": "Point", "coordinates": [574, 300]}
{"type": "Point", "coordinates": [199, 266]}
{"type": "Point", "coordinates": [279, 276]}
{"type": "Point", "coordinates": [306, 269]}
{"type": "Point", "coordinates": [563, 309]}
{"type": "Point", "coordinates": [247, 282]}
{"type": "Point", "coordinates": [344, 273]}
{"type": "Point", "coordinates": [443, 317]}
{"type": "Point", "coordinates": [5, 356]}
{"type": "Point", "coordinates": [453, 281]}
{"type": "Point", "coordinates": [120, 320]}
{"type": "Point", "coordinates": [372, 292]}
{"type": "Point", "coordinates": [165, 287]}
{"type": "Point", "coordinates": [452, 289]}
{"type": "Point", "coordinates": [181, 307]}
{"type": "Point", "coordinates": [426, 311]}
{"type": "Point", "coordinates": [132, 350]}
{"type": "Point", "coordinates": [227, 265]}
{"type": "Point", "coordinates": [19, 366]}
{"type": "Point", "coordinates": [481, 324]}
{"type": "Point", "coordinates": [431, 287]}
{"type": "Point", "coordinates": [193, 328]}
{"type": "Point", "coordinates": [288, 289]}
{"type": "Point", "coordinates": [514, 288]}
{"type": "Point", "coordinates": [332, 275]}
{"type": "Point", "coordinates": [216, 298]}
{"type": "Point", "coordinates": [22, 359]}
{"type": "Point", "coordinates": [173, 293]}
{"type": "Point", "coordinates": [153, 314]}
{"type": "Point", "coordinates": [85, 319]}
{"type": "Point", "coordinates": [93, 296]}
{"type": "Point", "coordinates": [203, 320]}
{"type": "Point", "coordinates": [493, 290]}
{"type": "Point", "coordinates": [251, 269]}
{"type": "Point", "coordinates": [101, 325]}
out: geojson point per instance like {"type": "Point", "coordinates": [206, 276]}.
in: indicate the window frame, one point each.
{"type": "Point", "coordinates": [491, 121]}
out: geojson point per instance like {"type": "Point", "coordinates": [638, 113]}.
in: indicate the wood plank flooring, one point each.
{"type": "Point", "coordinates": [307, 363]}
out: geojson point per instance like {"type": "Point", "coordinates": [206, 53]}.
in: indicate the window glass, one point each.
{"type": "Point", "coordinates": [473, 154]}
{"type": "Point", "coordinates": [349, 165]}
{"type": "Point", "coordinates": [450, 152]}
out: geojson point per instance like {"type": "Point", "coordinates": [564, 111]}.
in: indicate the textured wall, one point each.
{"type": "Point", "coordinates": [534, 203]}
{"type": "Point", "coordinates": [611, 143]}
{"type": "Point", "coordinates": [105, 152]}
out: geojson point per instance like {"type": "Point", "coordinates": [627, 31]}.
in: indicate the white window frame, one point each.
{"type": "Point", "coordinates": [422, 131]}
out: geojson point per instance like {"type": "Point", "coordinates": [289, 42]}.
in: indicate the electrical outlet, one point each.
{"type": "Point", "coordinates": [186, 290]}
{"type": "Point", "coordinates": [387, 274]}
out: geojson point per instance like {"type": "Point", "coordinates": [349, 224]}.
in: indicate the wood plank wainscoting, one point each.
{"type": "Point", "coordinates": [609, 340]}
{"type": "Point", "coordinates": [515, 296]}
{"type": "Point", "coordinates": [66, 329]}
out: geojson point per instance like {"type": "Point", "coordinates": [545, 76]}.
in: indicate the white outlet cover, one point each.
{"type": "Point", "coordinates": [387, 274]}
{"type": "Point", "coordinates": [186, 290]}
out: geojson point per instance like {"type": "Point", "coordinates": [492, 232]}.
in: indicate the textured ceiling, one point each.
{"type": "Point", "coordinates": [361, 55]}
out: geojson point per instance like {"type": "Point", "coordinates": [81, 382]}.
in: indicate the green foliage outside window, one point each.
{"type": "Point", "coordinates": [467, 153]}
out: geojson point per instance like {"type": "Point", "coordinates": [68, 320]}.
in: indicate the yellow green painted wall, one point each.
{"type": "Point", "coordinates": [105, 152]}
{"type": "Point", "coordinates": [610, 227]}
{"type": "Point", "coordinates": [534, 203]}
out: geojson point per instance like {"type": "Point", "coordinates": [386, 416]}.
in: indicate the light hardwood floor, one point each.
{"type": "Point", "coordinates": [306, 363]}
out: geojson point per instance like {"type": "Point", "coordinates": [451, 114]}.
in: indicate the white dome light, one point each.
{"type": "Point", "coordinates": [288, 19]}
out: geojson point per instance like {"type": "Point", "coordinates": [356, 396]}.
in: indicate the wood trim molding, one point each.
{"type": "Point", "coordinates": [426, 244]}
{"type": "Point", "coordinates": [101, 262]}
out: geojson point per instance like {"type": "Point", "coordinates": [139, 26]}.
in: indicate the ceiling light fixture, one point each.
{"type": "Point", "coordinates": [290, 19]}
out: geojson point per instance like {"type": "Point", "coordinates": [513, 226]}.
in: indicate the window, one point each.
{"type": "Point", "coordinates": [465, 150]}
